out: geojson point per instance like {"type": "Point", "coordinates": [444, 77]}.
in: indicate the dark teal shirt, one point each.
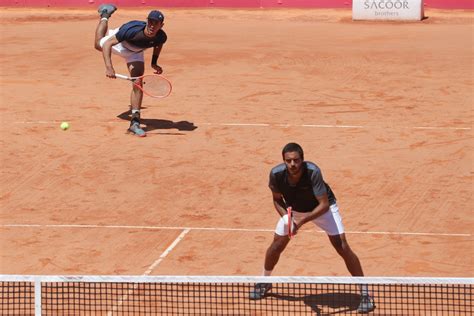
{"type": "Point", "coordinates": [302, 196]}
{"type": "Point", "coordinates": [132, 32]}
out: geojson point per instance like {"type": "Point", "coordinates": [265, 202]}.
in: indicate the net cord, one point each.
{"type": "Point", "coordinates": [232, 279]}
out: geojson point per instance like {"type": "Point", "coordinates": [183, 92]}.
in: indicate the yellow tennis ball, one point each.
{"type": "Point", "coordinates": [64, 126]}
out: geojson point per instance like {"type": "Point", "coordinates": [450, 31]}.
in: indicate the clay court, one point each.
{"type": "Point", "coordinates": [385, 109]}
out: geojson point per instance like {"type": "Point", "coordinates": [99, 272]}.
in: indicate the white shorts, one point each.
{"type": "Point", "coordinates": [330, 222]}
{"type": "Point", "coordinates": [121, 50]}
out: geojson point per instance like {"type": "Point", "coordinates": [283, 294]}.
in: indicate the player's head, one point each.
{"type": "Point", "coordinates": [293, 158]}
{"type": "Point", "coordinates": [292, 147]}
{"type": "Point", "coordinates": [155, 21]}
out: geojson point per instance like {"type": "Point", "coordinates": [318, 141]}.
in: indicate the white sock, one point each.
{"type": "Point", "coordinates": [364, 290]}
{"type": "Point", "coordinates": [267, 272]}
{"type": "Point", "coordinates": [104, 19]}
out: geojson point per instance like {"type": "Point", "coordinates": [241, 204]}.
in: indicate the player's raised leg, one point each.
{"type": "Point", "coordinates": [105, 11]}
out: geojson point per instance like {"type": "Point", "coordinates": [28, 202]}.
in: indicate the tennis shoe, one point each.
{"type": "Point", "coordinates": [366, 305]}
{"type": "Point", "coordinates": [260, 291]}
{"type": "Point", "coordinates": [106, 10]}
{"type": "Point", "coordinates": [136, 129]}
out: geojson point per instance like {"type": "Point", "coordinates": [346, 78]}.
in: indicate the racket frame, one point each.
{"type": "Point", "coordinates": [289, 211]}
{"type": "Point", "coordinates": [133, 79]}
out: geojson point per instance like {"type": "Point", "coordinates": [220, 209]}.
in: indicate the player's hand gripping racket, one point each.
{"type": "Point", "coordinates": [155, 86]}
{"type": "Point", "coordinates": [289, 215]}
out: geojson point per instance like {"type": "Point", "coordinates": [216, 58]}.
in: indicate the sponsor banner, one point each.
{"type": "Point", "coordinates": [442, 4]}
{"type": "Point", "coordinates": [387, 10]}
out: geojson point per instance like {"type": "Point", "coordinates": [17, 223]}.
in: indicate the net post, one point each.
{"type": "Point", "coordinates": [37, 282]}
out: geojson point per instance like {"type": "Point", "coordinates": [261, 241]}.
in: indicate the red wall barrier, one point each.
{"type": "Point", "coordinates": [442, 4]}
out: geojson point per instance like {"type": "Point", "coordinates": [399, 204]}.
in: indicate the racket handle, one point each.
{"type": "Point", "coordinates": [122, 76]}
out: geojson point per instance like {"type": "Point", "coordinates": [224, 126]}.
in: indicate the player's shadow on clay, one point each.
{"type": "Point", "coordinates": [324, 303]}
{"type": "Point", "coordinates": [154, 124]}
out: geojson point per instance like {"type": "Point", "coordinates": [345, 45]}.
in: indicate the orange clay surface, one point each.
{"type": "Point", "coordinates": [385, 109]}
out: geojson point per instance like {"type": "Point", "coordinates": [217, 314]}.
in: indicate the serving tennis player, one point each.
{"type": "Point", "coordinates": [129, 41]}
{"type": "Point", "coordinates": [300, 185]}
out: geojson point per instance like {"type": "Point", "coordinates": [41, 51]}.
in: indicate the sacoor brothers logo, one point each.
{"type": "Point", "coordinates": [385, 4]}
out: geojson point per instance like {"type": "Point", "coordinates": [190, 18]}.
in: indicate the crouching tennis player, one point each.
{"type": "Point", "coordinates": [299, 184]}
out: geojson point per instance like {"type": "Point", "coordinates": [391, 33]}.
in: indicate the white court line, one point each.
{"type": "Point", "coordinates": [167, 251]}
{"type": "Point", "coordinates": [337, 126]}
{"type": "Point", "coordinates": [294, 125]}
{"type": "Point", "coordinates": [224, 229]}
{"type": "Point", "coordinates": [148, 271]}
{"type": "Point", "coordinates": [434, 127]}
{"type": "Point", "coordinates": [333, 126]}
{"type": "Point", "coordinates": [238, 124]}
{"type": "Point", "coordinates": [37, 122]}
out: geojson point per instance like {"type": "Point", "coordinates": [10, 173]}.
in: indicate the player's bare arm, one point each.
{"type": "Point", "coordinates": [279, 203]}
{"type": "Point", "coordinates": [107, 54]}
{"type": "Point", "coordinates": [319, 210]}
{"type": "Point", "coordinates": [154, 59]}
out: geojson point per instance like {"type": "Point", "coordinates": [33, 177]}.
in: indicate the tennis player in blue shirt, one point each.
{"type": "Point", "coordinates": [129, 41]}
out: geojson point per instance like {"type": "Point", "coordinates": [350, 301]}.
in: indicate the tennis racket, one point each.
{"type": "Point", "coordinates": [289, 211]}
{"type": "Point", "coordinates": [155, 86]}
{"type": "Point", "coordinates": [289, 214]}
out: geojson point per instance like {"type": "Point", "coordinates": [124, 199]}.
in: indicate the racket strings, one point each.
{"type": "Point", "coordinates": [156, 86]}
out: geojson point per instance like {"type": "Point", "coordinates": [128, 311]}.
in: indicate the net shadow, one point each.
{"type": "Point", "coordinates": [325, 304]}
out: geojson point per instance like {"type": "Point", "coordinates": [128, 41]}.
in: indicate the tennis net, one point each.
{"type": "Point", "coordinates": [233, 295]}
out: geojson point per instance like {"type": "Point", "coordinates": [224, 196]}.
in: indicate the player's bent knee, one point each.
{"type": "Point", "coordinates": [137, 89]}
{"type": "Point", "coordinates": [341, 246]}
{"type": "Point", "coordinates": [97, 46]}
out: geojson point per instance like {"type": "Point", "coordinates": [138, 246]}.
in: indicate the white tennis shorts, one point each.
{"type": "Point", "coordinates": [121, 49]}
{"type": "Point", "coordinates": [330, 222]}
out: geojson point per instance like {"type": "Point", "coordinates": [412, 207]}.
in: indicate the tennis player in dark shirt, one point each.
{"type": "Point", "coordinates": [300, 184]}
{"type": "Point", "coordinates": [129, 41]}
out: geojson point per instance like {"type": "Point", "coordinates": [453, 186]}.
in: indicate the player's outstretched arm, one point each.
{"type": "Point", "coordinates": [107, 54]}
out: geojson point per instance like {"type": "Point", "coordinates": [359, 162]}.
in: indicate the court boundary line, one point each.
{"type": "Point", "coordinates": [147, 227]}
{"type": "Point", "coordinates": [148, 271]}
{"type": "Point", "coordinates": [167, 251]}
{"type": "Point", "coordinates": [340, 126]}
